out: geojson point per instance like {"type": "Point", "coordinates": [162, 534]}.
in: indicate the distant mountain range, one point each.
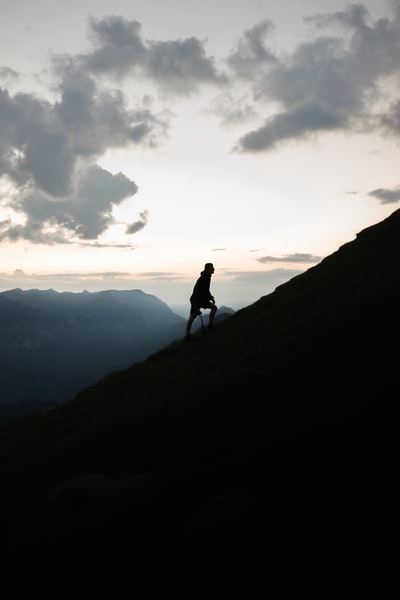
{"type": "Point", "coordinates": [266, 436]}
{"type": "Point", "coordinates": [53, 344]}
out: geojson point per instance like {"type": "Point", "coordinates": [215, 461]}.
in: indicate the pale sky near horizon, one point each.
{"type": "Point", "coordinates": [142, 139]}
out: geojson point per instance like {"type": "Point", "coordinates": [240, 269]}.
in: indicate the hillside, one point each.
{"type": "Point", "coordinates": [267, 429]}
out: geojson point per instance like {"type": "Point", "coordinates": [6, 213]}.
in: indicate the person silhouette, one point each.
{"type": "Point", "coordinates": [202, 298]}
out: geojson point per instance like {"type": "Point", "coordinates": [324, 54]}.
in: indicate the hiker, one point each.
{"type": "Point", "coordinates": [202, 298]}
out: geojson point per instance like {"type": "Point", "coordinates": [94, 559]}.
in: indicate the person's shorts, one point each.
{"type": "Point", "coordinates": [195, 308]}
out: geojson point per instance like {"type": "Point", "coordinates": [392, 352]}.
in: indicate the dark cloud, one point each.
{"type": "Point", "coordinates": [85, 215]}
{"type": "Point", "coordinates": [251, 56]}
{"type": "Point", "coordinates": [180, 66]}
{"type": "Point", "coordinates": [334, 82]}
{"type": "Point", "coordinates": [138, 225]}
{"type": "Point", "coordinates": [41, 143]}
{"type": "Point", "coordinates": [49, 148]}
{"type": "Point", "coordinates": [177, 66]}
{"type": "Point", "coordinates": [45, 147]}
{"type": "Point", "coordinates": [386, 196]}
{"type": "Point", "coordinates": [119, 47]}
{"type": "Point", "coordinates": [23, 118]}
{"type": "Point", "coordinates": [98, 118]}
{"type": "Point", "coordinates": [8, 74]}
{"type": "Point", "coordinates": [391, 120]}
{"type": "Point", "coordinates": [291, 258]}
{"type": "Point", "coordinates": [49, 158]}
{"type": "Point", "coordinates": [303, 121]}
{"type": "Point", "coordinates": [49, 151]}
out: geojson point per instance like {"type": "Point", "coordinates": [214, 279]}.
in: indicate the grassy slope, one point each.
{"type": "Point", "coordinates": [286, 395]}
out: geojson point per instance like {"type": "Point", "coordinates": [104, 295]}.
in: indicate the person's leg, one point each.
{"type": "Point", "coordinates": [194, 312]}
{"type": "Point", "coordinates": [189, 324]}
{"type": "Point", "coordinates": [213, 310]}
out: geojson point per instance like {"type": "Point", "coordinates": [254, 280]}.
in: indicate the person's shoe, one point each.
{"type": "Point", "coordinates": [210, 327]}
{"type": "Point", "coordinates": [188, 338]}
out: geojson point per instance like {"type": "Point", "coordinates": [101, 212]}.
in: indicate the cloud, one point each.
{"type": "Point", "coordinates": [118, 46]}
{"type": "Point", "coordinates": [67, 281]}
{"type": "Point", "coordinates": [291, 258]}
{"type": "Point", "coordinates": [138, 225]}
{"type": "Point", "coordinates": [386, 196]}
{"type": "Point", "coordinates": [97, 118]}
{"type": "Point", "coordinates": [301, 122]}
{"type": "Point", "coordinates": [333, 82]}
{"type": "Point", "coordinates": [41, 142]}
{"type": "Point", "coordinates": [234, 107]}
{"type": "Point", "coordinates": [180, 66]}
{"type": "Point", "coordinates": [49, 151]}
{"type": "Point", "coordinates": [176, 66]}
{"type": "Point", "coordinates": [84, 215]}
{"type": "Point", "coordinates": [49, 148]}
{"type": "Point", "coordinates": [251, 56]}
{"type": "Point", "coordinates": [391, 120]}
{"type": "Point", "coordinates": [7, 73]}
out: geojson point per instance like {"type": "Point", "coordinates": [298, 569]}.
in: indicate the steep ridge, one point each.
{"type": "Point", "coordinates": [266, 428]}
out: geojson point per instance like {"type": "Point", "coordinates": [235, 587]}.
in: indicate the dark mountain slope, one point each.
{"type": "Point", "coordinates": [267, 429]}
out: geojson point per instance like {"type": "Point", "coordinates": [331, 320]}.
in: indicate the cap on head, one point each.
{"type": "Point", "coordinates": [209, 267]}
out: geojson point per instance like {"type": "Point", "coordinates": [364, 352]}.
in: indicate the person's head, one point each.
{"type": "Point", "coordinates": [209, 268]}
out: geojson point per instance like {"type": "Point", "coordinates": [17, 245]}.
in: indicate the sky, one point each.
{"type": "Point", "coordinates": [140, 140]}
